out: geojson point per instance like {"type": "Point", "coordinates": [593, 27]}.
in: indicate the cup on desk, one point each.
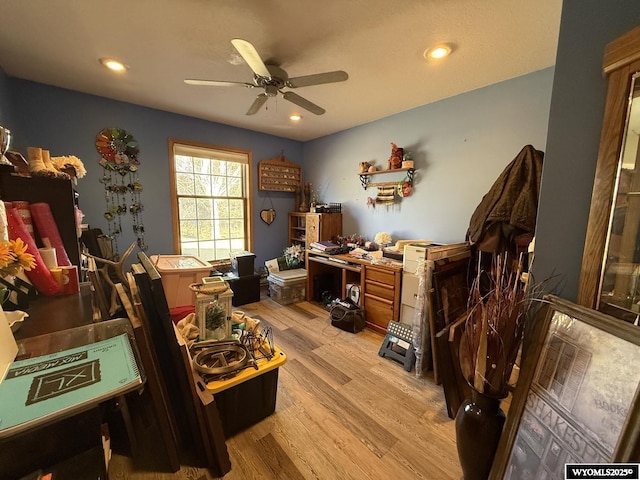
{"type": "Point", "coordinates": [57, 275]}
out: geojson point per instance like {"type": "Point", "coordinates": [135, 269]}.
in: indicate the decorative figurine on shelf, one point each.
{"type": "Point", "coordinates": [364, 167]}
{"type": "Point", "coordinates": [395, 160]}
{"type": "Point", "coordinates": [372, 169]}
{"type": "Point", "coordinates": [304, 206]}
{"type": "Point", "coordinates": [404, 188]}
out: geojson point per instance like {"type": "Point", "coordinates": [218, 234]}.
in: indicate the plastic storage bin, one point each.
{"type": "Point", "coordinates": [178, 272]}
{"type": "Point", "coordinates": [288, 286]}
{"type": "Point", "coordinates": [248, 397]}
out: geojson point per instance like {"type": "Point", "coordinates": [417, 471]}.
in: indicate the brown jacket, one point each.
{"type": "Point", "coordinates": [510, 207]}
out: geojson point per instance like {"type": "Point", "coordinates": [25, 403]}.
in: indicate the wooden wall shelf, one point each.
{"type": "Point", "coordinates": [279, 175]}
{"type": "Point", "coordinates": [365, 178]}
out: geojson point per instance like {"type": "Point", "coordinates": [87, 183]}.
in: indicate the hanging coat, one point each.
{"type": "Point", "coordinates": [509, 208]}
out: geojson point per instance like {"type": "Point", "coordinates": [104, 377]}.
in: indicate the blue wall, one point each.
{"type": "Point", "coordinates": [5, 101]}
{"type": "Point", "coordinates": [460, 145]}
{"type": "Point", "coordinates": [66, 123]}
{"type": "Point", "coordinates": [577, 109]}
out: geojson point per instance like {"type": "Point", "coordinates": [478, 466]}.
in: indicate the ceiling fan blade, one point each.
{"type": "Point", "coordinates": [217, 83]}
{"type": "Point", "coordinates": [317, 79]}
{"type": "Point", "coordinates": [250, 55]}
{"type": "Point", "coordinates": [257, 103]}
{"type": "Point", "coordinates": [303, 102]}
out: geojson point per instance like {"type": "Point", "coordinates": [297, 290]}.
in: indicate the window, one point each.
{"type": "Point", "coordinates": [211, 200]}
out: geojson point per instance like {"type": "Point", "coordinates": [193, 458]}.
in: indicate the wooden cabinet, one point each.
{"type": "Point", "coordinates": [297, 228]}
{"type": "Point", "coordinates": [306, 228]}
{"type": "Point", "coordinates": [381, 296]}
{"type": "Point", "coordinates": [610, 261]}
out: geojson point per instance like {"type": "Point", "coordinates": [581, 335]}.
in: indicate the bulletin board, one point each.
{"type": "Point", "coordinates": [279, 175]}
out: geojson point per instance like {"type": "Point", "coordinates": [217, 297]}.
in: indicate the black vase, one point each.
{"type": "Point", "coordinates": [479, 424]}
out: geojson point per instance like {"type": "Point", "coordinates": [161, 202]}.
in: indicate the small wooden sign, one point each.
{"type": "Point", "coordinates": [279, 175]}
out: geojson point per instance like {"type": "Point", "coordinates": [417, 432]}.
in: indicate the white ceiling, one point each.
{"type": "Point", "coordinates": [378, 42]}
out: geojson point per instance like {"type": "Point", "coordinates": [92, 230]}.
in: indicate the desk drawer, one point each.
{"type": "Point", "coordinates": [379, 290]}
{"type": "Point", "coordinates": [387, 277]}
{"type": "Point", "coordinates": [378, 311]}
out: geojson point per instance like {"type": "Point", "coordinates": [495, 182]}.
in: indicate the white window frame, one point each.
{"type": "Point", "coordinates": [213, 152]}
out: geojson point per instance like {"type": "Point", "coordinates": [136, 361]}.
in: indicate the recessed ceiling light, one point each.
{"type": "Point", "coordinates": [295, 117]}
{"type": "Point", "coordinates": [112, 64]}
{"type": "Point", "coordinates": [437, 52]}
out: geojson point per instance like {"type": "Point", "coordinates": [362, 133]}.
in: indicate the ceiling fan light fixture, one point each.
{"type": "Point", "coordinates": [113, 65]}
{"type": "Point", "coordinates": [437, 52]}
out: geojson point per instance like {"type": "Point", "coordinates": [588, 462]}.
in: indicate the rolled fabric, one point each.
{"type": "Point", "coordinates": [39, 275]}
{"type": "Point", "coordinates": [49, 257]}
{"type": "Point", "coordinates": [25, 213]}
{"type": "Point", "coordinates": [4, 232]}
{"type": "Point", "coordinates": [48, 231]}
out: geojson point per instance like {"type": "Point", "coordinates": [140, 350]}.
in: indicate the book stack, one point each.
{"type": "Point", "coordinates": [326, 246]}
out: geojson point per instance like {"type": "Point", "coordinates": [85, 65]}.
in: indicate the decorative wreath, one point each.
{"type": "Point", "coordinates": [117, 147]}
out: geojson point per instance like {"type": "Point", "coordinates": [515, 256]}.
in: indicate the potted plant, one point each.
{"type": "Point", "coordinates": [499, 299]}
{"type": "Point", "coordinates": [215, 321]}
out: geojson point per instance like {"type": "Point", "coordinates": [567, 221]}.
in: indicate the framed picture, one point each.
{"type": "Point", "coordinates": [577, 397]}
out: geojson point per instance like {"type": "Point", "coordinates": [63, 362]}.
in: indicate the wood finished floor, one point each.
{"type": "Point", "coordinates": [342, 412]}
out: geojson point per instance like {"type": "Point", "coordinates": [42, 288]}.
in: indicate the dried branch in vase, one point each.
{"type": "Point", "coordinates": [498, 303]}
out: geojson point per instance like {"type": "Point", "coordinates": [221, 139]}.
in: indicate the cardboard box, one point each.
{"type": "Point", "coordinates": [177, 273]}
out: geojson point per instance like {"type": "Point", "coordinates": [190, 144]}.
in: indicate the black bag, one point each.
{"type": "Point", "coordinates": [347, 316]}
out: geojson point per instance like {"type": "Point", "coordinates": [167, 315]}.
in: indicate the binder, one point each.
{"type": "Point", "coordinates": [44, 388]}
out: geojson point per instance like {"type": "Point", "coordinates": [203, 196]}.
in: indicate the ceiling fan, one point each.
{"type": "Point", "coordinates": [273, 79]}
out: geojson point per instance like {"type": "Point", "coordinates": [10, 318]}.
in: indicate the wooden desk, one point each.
{"type": "Point", "coordinates": [380, 284]}
{"type": "Point", "coordinates": [52, 314]}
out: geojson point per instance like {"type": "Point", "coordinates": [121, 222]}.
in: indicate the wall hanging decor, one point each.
{"type": "Point", "coordinates": [119, 151]}
{"type": "Point", "coordinates": [279, 175]}
{"type": "Point", "coordinates": [268, 215]}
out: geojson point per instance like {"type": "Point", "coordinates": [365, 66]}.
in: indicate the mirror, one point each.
{"type": "Point", "coordinates": [619, 292]}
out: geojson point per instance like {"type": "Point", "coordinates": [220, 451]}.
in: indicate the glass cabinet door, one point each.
{"type": "Point", "coordinates": [620, 278]}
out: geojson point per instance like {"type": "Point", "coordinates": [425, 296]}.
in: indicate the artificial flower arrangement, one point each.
{"type": "Point", "coordinates": [499, 300]}
{"type": "Point", "coordinates": [354, 240]}
{"type": "Point", "coordinates": [14, 257]}
{"type": "Point", "coordinates": [382, 238]}
{"type": "Point", "coordinates": [294, 255]}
